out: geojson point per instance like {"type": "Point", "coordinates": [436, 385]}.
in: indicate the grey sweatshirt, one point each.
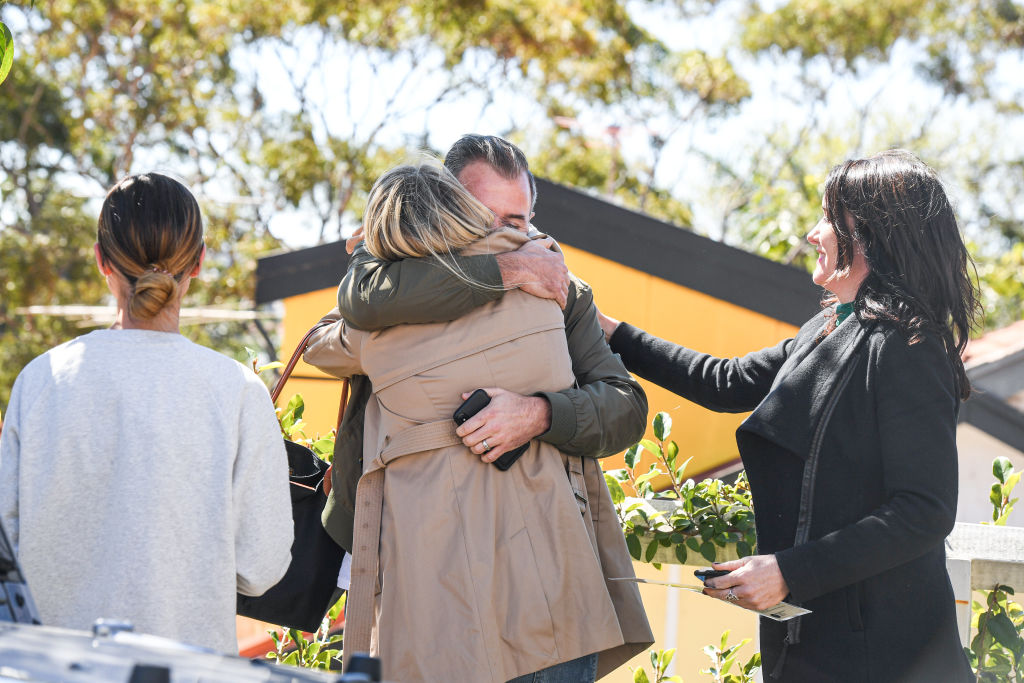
{"type": "Point", "coordinates": [144, 477]}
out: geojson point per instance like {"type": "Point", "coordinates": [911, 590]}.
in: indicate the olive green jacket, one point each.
{"type": "Point", "coordinates": [605, 413]}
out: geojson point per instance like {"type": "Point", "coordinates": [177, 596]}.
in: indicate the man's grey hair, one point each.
{"type": "Point", "coordinates": [498, 153]}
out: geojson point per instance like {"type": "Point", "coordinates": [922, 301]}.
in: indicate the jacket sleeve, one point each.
{"type": "Point", "coordinates": [607, 410]}
{"type": "Point", "coordinates": [261, 499]}
{"type": "Point", "coordinates": [916, 407]}
{"type": "Point", "coordinates": [375, 294]}
{"type": "Point", "coordinates": [332, 349]}
{"type": "Point", "coordinates": [725, 385]}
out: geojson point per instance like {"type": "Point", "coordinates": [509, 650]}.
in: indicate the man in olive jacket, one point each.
{"type": "Point", "coordinates": [604, 414]}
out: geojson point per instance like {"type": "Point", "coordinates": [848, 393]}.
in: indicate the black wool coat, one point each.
{"type": "Point", "coordinates": [851, 455]}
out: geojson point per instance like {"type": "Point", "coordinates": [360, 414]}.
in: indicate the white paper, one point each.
{"type": "Point", "coordinates": [783, 611]}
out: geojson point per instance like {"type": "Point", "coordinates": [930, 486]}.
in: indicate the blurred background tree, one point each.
{"type": "Point", "coordinates": [722, 116]}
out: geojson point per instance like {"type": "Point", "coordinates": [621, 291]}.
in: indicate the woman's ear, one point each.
{"type": "Point", "coordinates": [104, 268]}
{"type": "Point", "coordinates": [202, 257]}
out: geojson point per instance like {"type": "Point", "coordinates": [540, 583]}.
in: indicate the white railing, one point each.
{"type": "Point", "coordinates": [979, 557]}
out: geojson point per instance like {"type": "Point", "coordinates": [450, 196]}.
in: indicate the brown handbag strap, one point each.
{"type": "Point", "coordinates": [293, 361]}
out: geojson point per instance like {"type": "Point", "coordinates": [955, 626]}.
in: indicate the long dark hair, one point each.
{"type": "Point", "coordinates": [894, 207]}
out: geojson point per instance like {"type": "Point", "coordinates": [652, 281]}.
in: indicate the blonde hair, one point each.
{"type": "Point", "coordinates": [150, 231]}
{"type": "Point", "coordinates": [423, 211]}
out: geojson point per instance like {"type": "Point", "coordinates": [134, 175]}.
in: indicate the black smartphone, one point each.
{"type": "Point", "coordinates": [709, 573]}
{"type": "Point", "coordinates": [476, 402]}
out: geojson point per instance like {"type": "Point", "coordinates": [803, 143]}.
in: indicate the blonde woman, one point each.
{"type": "Point", "coordinates": [143, 477]}
{"type": "Point", "coordinates": [463, 571]}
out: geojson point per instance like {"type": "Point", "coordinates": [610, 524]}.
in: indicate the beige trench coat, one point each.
{"type": "Point", "coordinates": [477, 574]}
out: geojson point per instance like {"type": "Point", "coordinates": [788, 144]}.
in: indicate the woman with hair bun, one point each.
{"type": "Point", "coordinates": [143, 477]}
{"type": "Point", "coordinates": [851, 446]}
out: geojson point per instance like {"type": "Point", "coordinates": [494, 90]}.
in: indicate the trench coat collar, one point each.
{"type": "Point", "coordinates": [789, 415]}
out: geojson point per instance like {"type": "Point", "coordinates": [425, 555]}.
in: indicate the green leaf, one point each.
{"type": "Point", "coordinates": [632, 455]}
{"type": "Point", "coordinates": [640, 676]}
{"type": "Point", "coordinates": [1011, 482]}
{"type": "Point", "coordinates": [652, 549]}
{"type": "Point", "coordinates": [995, 497]}
{"type": "Point", "coordinates": [645, 477]}
{"type": "Point", "coordinates": [296, 406]}
{"type": "Point", "coordinates": [633, 544]}
{"type": "Point", "coordinates": [1001, 468]}
{"type": "Point", "coordinates": [1005, 632]}
{"type": "Point", "coordinates": [707, 549]}
{"type": "Point", "coordinates": [681, 468]}
{"type": "Point", "coordinates": [681, 553]}
{"type": "Point", "coordinates": [743, 549]}
{"type": "Point", "coordinates": [662, 426]}
{"type": "Point", "coordinates": [270, 366]}
{"type": "Point", "coordinates": [693, 544]}
{"type": "Point", "coordinates": [666, 658]}
{"type": "Point", "coordinates": [671, 451]}
{"type": "Point", "coordinates": [615, 489]}
{"type": "Point", "coordinates": [323, 445]}
{"type": "Point", "coordinates": [6, 51]}
{"type": "Point", "coordinates": [651, 447]}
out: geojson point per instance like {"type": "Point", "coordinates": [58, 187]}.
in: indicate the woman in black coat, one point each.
{"type": "Point", "coordinates": [851, 446]}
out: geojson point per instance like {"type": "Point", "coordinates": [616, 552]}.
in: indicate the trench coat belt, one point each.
{"type": "Point", "coordinates": [359, 608]}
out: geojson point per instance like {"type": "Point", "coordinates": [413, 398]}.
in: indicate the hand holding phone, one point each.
{"type": "Point", "coordinates": [708, 573]}
{"type": "Point", "coordinates": [476, 402]}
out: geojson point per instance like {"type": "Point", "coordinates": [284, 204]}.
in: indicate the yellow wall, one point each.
{"type": "Point", "coordinates": [686, 317]}
{"type": "Point", "coordinates": [667, 310]}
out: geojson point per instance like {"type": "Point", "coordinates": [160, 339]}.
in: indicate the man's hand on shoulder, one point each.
{"type": "Point", "coordinates": [508, 421]}
{"type": "Point", "coordinates": [537, 270]}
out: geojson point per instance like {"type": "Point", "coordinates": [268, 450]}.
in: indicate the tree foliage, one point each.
{"type": "Point", "coordinates": [282, 113]}
{"type": "Point", "coordinates": [250, 103]}
{"type": "Point", "coordinates": [844, 60]}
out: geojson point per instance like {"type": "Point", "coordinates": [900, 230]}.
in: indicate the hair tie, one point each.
{"type": "Point", "coordinates": [158, 269]}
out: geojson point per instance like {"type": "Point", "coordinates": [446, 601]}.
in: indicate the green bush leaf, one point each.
{"type": "Point", "coordinates": [640, 676]}
{"type": "Point", "coordinates": [995, 497]}
{"type": "Point", "coordinates": [662, 426]}
{"type": "Point", "coordinates": [6, 51]}
{"type": "Point", "coordinates": [707, 549]}
{"type": "Point", "coordinates": [681, 553]}
{"type": "Point", "coordinates": [651, 447]}
{"type": "Point", "coordinates": [1001, 468]}
{"type": "Point", "coordinates": [296, 406]}
{"type": "Point", "coordinates": [632, 454]}
{"type": "Point", "coordinates": [272, 365]}
{"type": "Point", "coordinates": [652, 549]}
{"type": "Point", "coordinates": [615, 489]}
{"type": "Point", "coordinates": [693, 544]}
{"type": "Point", "coordinates": [671, 451]}
{"type": "Point", "coordinates": [1005, 632]}
{"type": "Point", "coordinates": [633, 544]}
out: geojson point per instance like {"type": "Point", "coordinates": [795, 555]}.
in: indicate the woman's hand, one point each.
{"type": "Point", "coordinates": [608, 325]}
{"type": "Point", "coordinates": [756, 582]}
